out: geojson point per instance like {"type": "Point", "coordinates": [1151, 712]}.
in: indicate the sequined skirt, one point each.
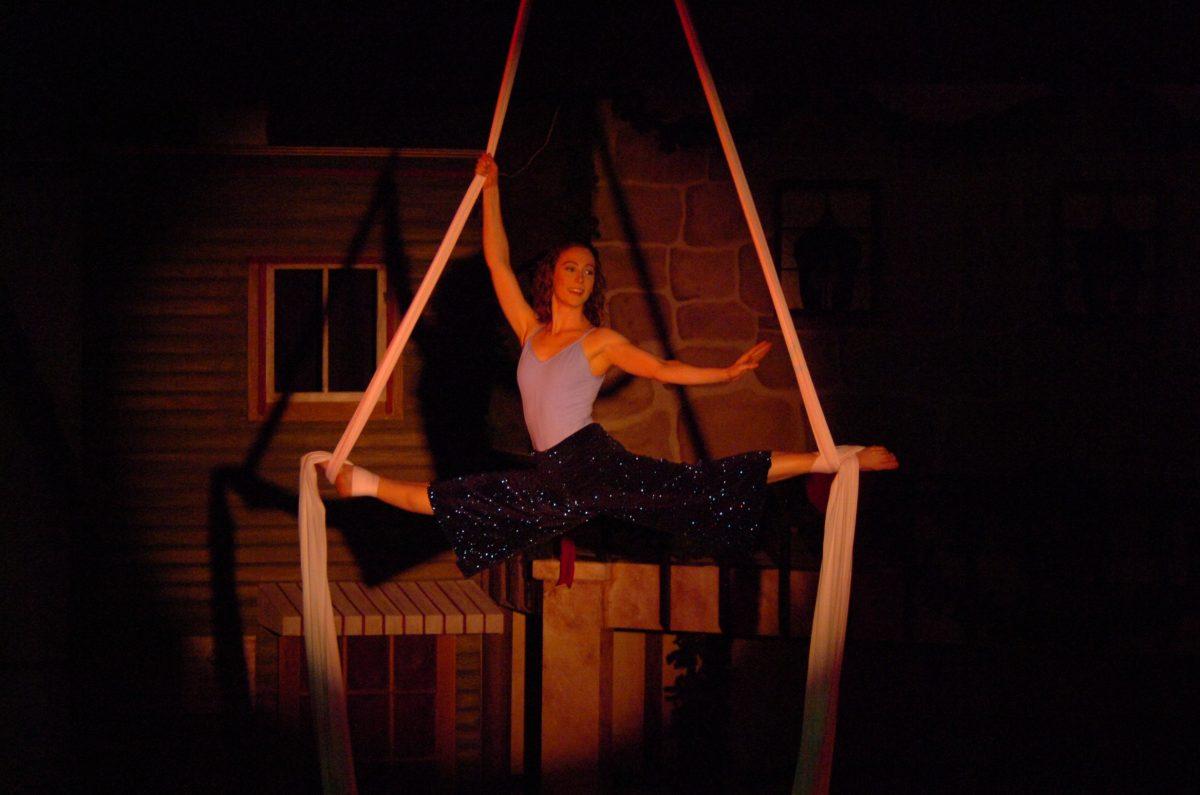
{"type": "Point", "coordinates": [712, 505]}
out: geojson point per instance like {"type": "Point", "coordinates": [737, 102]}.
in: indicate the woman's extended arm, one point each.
{"type": "Point", "coordinates": [495, 250]}
{"type": "Point", "coordinates": [620, 352]}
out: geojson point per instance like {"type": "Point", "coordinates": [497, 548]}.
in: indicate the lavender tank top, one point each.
{"type": "Point", "coordinates": [556, 394]}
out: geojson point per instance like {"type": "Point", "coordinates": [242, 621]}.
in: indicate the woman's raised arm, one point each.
{"type": "Point", "coordinates": [495, 250]}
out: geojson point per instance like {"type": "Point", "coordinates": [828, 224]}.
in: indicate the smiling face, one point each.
{"type": "Point", "coordinates": [569, 276]}
{"type": "Point", "coordinates": [574, 276]}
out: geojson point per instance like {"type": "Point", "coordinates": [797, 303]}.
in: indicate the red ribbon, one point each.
{"type": "Point", "coordinates": [566, 562]}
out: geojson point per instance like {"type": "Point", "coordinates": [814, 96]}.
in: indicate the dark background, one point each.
{"type": "Point", "coordinates": [1080, 678]}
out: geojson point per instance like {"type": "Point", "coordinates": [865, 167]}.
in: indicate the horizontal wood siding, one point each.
{"type": "Point", "coordinates": [175, 357]}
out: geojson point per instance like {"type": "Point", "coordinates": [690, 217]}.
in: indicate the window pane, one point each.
{"type": "Point", "coordinates": [367, 666]}
{"type": "Point", "coordinates": [297, 308]}
{"type": "Point", "coordinates": [352, 319]}
{"type": "Point", "coordinates": [416, 663]}
{"type": "Point", "coordinates": [368, 725]}
{"type": "Point", "coordinates": [415, 727]}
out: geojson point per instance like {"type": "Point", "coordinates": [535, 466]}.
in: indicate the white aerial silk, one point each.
{"type": "Point", "coordinates": [326, 686]}
{"type": "Point", "coordinates": [833, 589]}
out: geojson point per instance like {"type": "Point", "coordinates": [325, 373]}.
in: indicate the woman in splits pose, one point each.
{"type": "Point", "coordinates": [580, 471]}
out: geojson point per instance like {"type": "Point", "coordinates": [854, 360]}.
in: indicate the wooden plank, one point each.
{"type": "Point", "coordinates": [435, 622]}
{"type": "Point", "coordinates": [175, 344]}
{"type": "Point", "coordinates": [453, 617]}
{"type": "Point", "coordinates": [372, 617]}
{"type": "Point", "coordinates": [167, 383]}
{"type": "Point", "coordinates": [495, 719]}
{"type": "Point", "coordinates": [210, 362]}
{"type": "Point", "coordinates": [166, 574]}
{"type": "Point", "coordinates": [181, 401]}
{"type": "Point", "coordinates": [393, 619]}
{"type": "Point", "coordinates": [493, 616]}
{"type": "Point", "coordinates": [472, 615]}
{"type": "Point", "coordinates": [516, 735]}
{"type": "Point", "coordinates": [136, 305]}
{"type": "Point", "coordinates": [291, 650]}
{"type": "Point", "coordinates": [353, 620]}
{"type": "Point", "coordinates": [414, 619]}
{"type": "Point", "coordinates": [445, 710]}
{"type": "Point", "coordinates": [275, 612]}
{"type": "Point", "coordinates": [246, 556]}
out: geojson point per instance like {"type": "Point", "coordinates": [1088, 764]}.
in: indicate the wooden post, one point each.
{"type": "Point", "coordinates": [497, 686]}
{"type": "Point", "coordinates": [445, 710]}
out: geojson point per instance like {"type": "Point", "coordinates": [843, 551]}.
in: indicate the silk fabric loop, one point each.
{"type": "Point", "coordinates": [326, 685]}
{"type": "Point", "coordinates": [844, 452]}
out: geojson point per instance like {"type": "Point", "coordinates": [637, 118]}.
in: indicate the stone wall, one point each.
{"type": "Point", "coordinates": [684, 283]}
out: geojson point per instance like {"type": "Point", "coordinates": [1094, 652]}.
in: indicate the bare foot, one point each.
{"type": "Point", "coordinates": [876, 458]}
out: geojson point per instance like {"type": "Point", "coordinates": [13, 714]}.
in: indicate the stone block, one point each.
{"type": "Point", "coordinates": [639, 158]}
{"type": "Point", "coordinates": [714, 217]}
{"type": "Point", "coordinates": [645, 268]}
{"type": "Point", "coordinates": [775, 371]}
{"type": "Point", "coordinates": [702, 273]}
{"type": "Point", "coordinates": [710, 356]}
{"type": "Point", "coordinates": [635, 315]}
{"type": "Point", "coordinates": [624, 396]}
{"type": "Point", "coordinates": [715, 321]}
{"type": "Point", "coordinates": [656, 214]}
{"type": "Point", "coordinates": [631, 597]}
{"type": "Point", "coordinates": [743, 420]}
{"type": "Point", "coordinates": [752, 286]}
{"type": "Point", "coordinates": [694, 595]}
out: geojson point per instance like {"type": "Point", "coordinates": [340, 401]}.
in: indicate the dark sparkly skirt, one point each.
{"type": "Point", "coordinates": [712, 506]}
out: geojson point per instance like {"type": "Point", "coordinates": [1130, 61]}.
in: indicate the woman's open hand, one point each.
{"type": "Point", "coordinates": [486, 167]}
{"type": "Point", "coordinates": [748, 360]}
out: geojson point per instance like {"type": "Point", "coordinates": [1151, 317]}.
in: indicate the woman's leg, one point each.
{"type": "Point", "coordinates": [409, 495]}
{"type": "Point", "coordinates": [406, 494]}
{"type": "Point", "coordinates": [788, 465]}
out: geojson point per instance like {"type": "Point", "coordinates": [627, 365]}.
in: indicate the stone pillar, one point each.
{"type": "Point", "coordinates": [576, 655]}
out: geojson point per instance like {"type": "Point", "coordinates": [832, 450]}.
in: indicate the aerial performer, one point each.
{"type": "Point", "coordinates": [579, 470]}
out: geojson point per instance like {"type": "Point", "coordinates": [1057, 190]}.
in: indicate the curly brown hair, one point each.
{"type": "Point", "coordinates": [543, 285]}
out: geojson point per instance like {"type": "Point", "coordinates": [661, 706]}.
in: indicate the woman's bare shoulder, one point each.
{"type": "Point", "coordinates": [531, 332]}
{"type": "Point", "coordinates": [603, 335]}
